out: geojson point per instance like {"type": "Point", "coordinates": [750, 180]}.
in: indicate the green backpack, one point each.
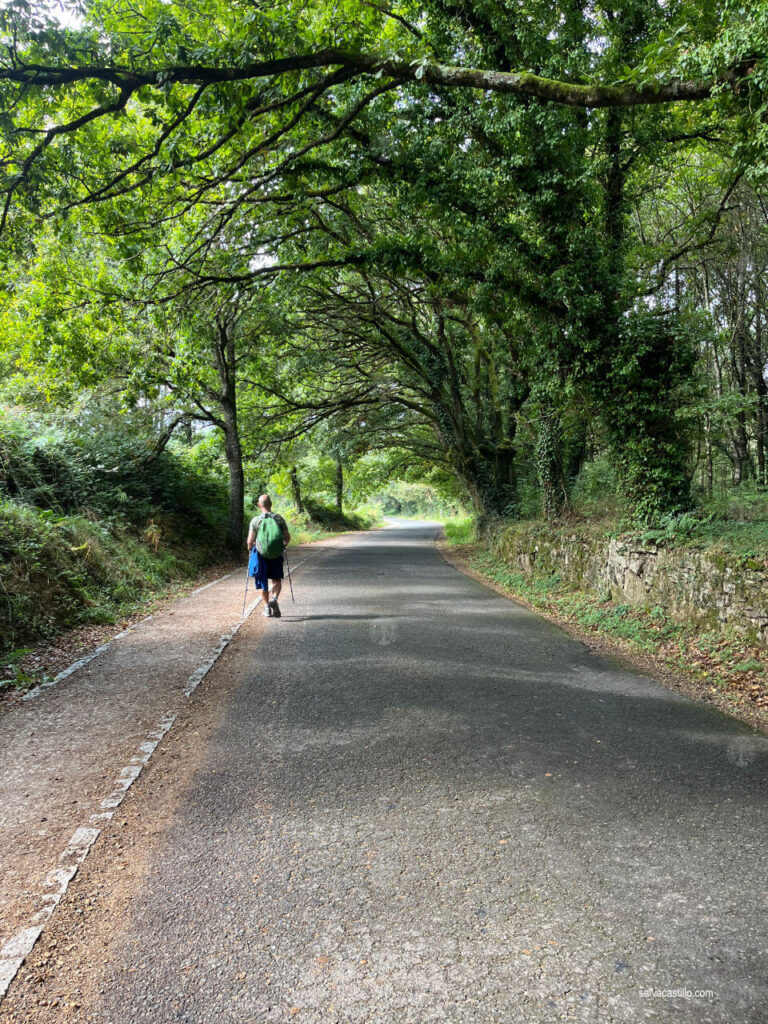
{"type": "Point", "coordinates": [269, 537]}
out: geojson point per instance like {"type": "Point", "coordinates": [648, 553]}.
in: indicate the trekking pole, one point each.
{"type": "Point", "coordinates": [245, 596]}
{"type": "Point", "coordinates": [290, 580]}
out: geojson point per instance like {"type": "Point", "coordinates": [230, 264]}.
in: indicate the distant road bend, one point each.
{"type": "Point", "coordinates": [410, 800]}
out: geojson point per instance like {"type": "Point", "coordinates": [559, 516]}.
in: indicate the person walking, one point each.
{"type": "Point", "coordinates": [268, 537]}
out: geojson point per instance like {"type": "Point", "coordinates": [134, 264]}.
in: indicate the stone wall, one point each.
{"type": "Point", "coordinates": [687, 583]}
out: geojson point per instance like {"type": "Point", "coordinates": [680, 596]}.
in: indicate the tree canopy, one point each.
{"type": "Point", "coordinates": [476, 236]}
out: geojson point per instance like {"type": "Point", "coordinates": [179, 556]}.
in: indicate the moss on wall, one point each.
{"type": "Point", "coordinates": [687, 583]}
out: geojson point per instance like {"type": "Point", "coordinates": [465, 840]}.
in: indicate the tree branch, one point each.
{"type": "Point", "coordinates": [510, 82]}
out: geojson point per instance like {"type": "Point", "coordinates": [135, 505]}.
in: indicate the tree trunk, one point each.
{"type": "Point", "coordinates": [756, 366]}
{"type": "Point", "coordinates": [487, 470]}
{"type": "Point", "coordinates": [650, 444]}
{"type": "Point", "coordinates": [234, 456]}
{"type": "Point", "coordinates": [339, 488]}
{"type": "Point", "coordinates": [226, 365]}
{"type": "Point", "coordinates": [576, 455]}
{"type": "Point", "coordinates": [739, 447]}
{"type": "Point", "coordinates": [296, 490]}
{"type": "Point", "coordinates": [742, 462]}
{"type": "Point", "coordinates": [760, 439]}
{"type": "Point", "coordinates": [478, 438]}
{"type": "Point", "coordinates": [549, 457]}
{"type": "Point", "coordinates": [758, 361]}
{"type": "Point", "coordinates": [491, 478]}
{"type": "Point", "coordinates": [709, 480]}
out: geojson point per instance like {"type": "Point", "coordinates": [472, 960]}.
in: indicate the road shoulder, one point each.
{"type": "Point", "coordinates": [72, 751]}
{"type": "Point", "coordinates": [615, 650]}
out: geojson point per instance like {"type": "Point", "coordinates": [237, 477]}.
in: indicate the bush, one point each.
{"type": "Point", "coordinates": [91, 524]}
{"type": "Point", "coordinates": [595, 492]}
{"type": "Point", "coordinates": [745, 503]}
{"type": "Point", "coordinates": [460, 531]}
{"type": "Point", "coordinates": [113, 474]}
{"type": "Point", "coordinates": [60, 571]}
{"type": "Point", "coordinates": [329, 518]}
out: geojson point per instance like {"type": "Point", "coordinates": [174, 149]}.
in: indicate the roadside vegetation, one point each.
{"type": "Point", "coordinates": [733, 522]}
{"type": "Point", "coordinates": [721, 662]}
{"type": "Point", "coordinates": [319, 521]}
{"type": "Point", "coordinates": [97, 520]}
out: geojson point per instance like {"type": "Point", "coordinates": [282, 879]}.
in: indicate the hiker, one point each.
{"type": "Point", "coordinates": [268, 537]}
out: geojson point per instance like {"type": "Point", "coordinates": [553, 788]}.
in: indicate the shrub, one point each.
{"type": "Point", "coordinates": [329, 518]}
{"type": "Point", "coordinates": [113, 473]}
{"type": "Point", "coordinates": [460, 531]}
{"type": "Point", "coordinates": [91, 524]}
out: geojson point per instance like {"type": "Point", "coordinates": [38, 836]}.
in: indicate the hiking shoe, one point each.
{"type": "Point", "coordinates": [267, 613]}
{"type": "Point", "coordinates": [275, 608]}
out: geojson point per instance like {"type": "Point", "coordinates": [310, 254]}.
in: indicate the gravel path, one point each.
{"type": "Point", "coordinates": [62, 747]}
{"type": "Point", "coordinates": [411, 800]}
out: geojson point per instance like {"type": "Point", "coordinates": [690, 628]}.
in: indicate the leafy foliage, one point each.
{"type": "Point", "coordinates": [83, 540]}
{"type": "Point", "coordinates": [108, 474]}
{"type": "Point", "coordinates": [352, 237]}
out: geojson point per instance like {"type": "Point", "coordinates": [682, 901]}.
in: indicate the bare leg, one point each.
{"type": "Point", "coordinates": [274, 606]}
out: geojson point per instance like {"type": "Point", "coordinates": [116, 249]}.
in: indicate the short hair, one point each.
{"type": "Point", "coordinates": [265, 501]}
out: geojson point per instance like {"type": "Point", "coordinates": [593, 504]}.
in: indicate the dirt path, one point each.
{"type": "Point", "coordinates": [71, 751]}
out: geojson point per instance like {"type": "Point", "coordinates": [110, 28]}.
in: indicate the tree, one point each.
{"type": "Point", "coordinates": [79, 317]}
{"type": "Point", "coordinates": [462, 229]}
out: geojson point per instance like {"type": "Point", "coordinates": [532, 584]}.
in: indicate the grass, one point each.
{"type": "Point", "coordinates": [746, 540]}
{"type": "Point", "coordinates": [550, 593]}
{"type": "Point", "coordinates": [428, 517]}
{"type": "Point", "coordinates": [321, 521]}
{"type": "Point", "coordinates": [62, 571]}
{"type": "Point", "coordinates": [459, 532]}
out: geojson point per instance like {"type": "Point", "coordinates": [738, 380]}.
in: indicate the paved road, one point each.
{"type": "Point", "coordinates": [414, 801]}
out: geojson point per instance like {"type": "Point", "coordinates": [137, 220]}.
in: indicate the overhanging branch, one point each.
{"type": "Point", "coordinates": [511, 82]}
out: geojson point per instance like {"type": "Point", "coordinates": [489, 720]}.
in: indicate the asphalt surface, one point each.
{"type": "Point", "coordinates": [420, 802]}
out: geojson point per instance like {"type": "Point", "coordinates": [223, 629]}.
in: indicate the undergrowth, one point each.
{"type": "Point", "coordinates": [460, 531]}
{"type": "Point", "coordinates": [92, 524]}
{"type": "Point", "coordinates": [62, 571]}
{"type": "Point", "coordinates": [320, 521]}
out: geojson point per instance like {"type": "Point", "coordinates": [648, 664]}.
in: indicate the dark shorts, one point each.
{"type": "Point", "coordinates": [264, 569]}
